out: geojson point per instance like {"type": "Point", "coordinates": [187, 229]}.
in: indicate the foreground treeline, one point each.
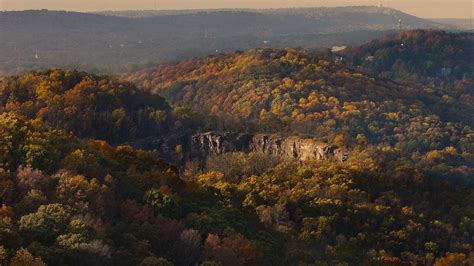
{"type": "Point", "coordinates": [66, 201]}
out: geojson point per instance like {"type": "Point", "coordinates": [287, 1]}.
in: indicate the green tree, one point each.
{"type": "Point", "coordinates": [46, 223]}
{"type": "Point", "coordinates": [154, 261]}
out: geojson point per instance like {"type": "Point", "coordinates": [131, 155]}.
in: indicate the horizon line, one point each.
{"type": "Point", "coordinates": [220, 9]}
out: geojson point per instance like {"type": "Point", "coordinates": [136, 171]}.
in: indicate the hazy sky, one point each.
{"type": "Point", "coordinates": [421, 8]}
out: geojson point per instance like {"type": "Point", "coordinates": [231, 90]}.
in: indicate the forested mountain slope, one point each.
{"type": "Point", "coordinates": [290, 90]}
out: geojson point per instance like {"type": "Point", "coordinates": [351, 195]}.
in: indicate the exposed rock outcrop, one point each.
{"type": "Point", "coordinates": [297, 148]}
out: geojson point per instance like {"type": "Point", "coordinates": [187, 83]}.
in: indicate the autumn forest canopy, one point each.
{"type": "Point", "coordinates": [117, 170]}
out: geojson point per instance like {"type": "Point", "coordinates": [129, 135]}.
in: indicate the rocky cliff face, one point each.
{"type": "Point", "coordinates": [297, 148]}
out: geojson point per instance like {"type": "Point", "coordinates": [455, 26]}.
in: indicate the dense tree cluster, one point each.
{"type": "Point", "coordinates": [90, 106]}
{"type": "Point", "coordinates": [72, 202]}
{"type": "Point", "coordinates": [375, 208]}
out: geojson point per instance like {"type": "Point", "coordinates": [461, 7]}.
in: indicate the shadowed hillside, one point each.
{"type": "Point", "coordinates": [418, 55]}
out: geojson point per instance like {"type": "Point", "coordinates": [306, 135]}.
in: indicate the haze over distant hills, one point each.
{"type": "Point", "coordinates": [464, 24]}
{"type": "Point", "coordinates": [121, 41]}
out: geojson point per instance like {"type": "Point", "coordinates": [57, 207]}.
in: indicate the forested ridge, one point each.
{"type": "Point", "coordinates": [292, 90]}
{"type": "Point", "coordinates": [74, 190]}
{"type": "Point", "coordinates": [91, 106]}
{"type": "Point", "coordinates": [417, 56]}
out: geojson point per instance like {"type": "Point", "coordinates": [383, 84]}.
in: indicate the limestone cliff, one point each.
{"type": "Point", "coordinates": [297, 148]}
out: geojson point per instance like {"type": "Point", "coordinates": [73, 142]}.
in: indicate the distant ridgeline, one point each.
{"type": "Point", "coordinates": [117, 42]}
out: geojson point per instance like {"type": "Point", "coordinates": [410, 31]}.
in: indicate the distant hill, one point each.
{"type": "Point", "coordinates": [316, 20]}
{"type": "Point", "coordinates": [117, 42]}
